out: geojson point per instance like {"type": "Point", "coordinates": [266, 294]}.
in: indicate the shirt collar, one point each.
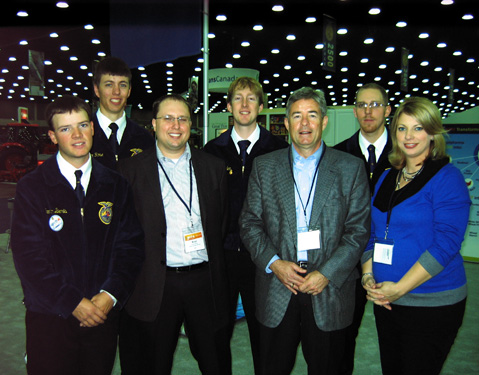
{"type": "Point", "coordinates": [186, 154]}
{"type": "Point", "coordinates": [253, 138]}
{"type": "Point", "coordinates": [378, 145]}
{"type": "Point", "coordinates": [68, 171]}
{"type": "Point", "coordinates": [105, 123]}
{"type": "Point", "coordinates": [299, 161]}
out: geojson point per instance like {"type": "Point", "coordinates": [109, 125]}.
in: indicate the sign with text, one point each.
{"type": "Point", "coordinates": [329, 40]}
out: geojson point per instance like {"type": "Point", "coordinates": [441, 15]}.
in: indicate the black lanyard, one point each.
{"type": "Point", "coordinates": [176, 192]}
{"type": "Point", "coordinates": [312, 184]}
{"type": "Point", "coordinates": [392, 199]}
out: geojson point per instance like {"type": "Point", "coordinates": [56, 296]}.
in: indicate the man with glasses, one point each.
{"type": "Point", "coordinates": [180, 196]}
{"type": "Point", "coordinates": [116, 136]}
{"type": "Point", "coordinates": [238, 146]}
{"type": "Point", "coordinates": [305, 222]}
{"type": "Point", "coordinates": [372, 143]}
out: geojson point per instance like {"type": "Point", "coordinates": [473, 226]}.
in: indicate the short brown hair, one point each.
{"type": "Point", "coordinates": [246, 82]}
{"type": "Point", "coordinates": [65, 104]}
{"type": "Point", "coordinates": [176, 97]}
{"type": "Point", "coordinates": [113, 66]}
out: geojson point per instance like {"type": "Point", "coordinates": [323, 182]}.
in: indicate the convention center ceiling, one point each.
{"type": "Point", "coordinates": [283, 40]}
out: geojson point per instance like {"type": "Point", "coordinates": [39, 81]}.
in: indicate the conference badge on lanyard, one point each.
{"type": "Point", "coordinates": [383, 251]}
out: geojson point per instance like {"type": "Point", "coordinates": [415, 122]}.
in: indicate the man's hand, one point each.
{"type": "Point", "coordinates": [287, 273]}
{"type": "Point", "coordinates": [103, 301]}
{"type": "Point", "coordinates": [88, 314]}
{"type": "Point", "coordinates": [314, 283]}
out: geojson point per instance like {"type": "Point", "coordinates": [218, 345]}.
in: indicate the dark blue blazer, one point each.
{"type": "Point", "coordinates": [351, 146]}
{"type": "Point", "coordinates": [135, 140]}
{"type": "Point", "coordinates": [62, 258]}
{"type": "Point", "coordinates": [224, 148]}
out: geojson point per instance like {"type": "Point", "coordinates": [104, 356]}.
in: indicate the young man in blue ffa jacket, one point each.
{"type": "Point", "coordinates": [77, 246]}
{"type": "Point", "coordinates": [245, 102]}
{"type": "Point", "coordinates": [372, 144]}
{"type": "Point", "coordinates": [116, 136]}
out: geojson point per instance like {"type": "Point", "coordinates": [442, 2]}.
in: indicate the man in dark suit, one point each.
{"type": "Point", "coordinates": [116, 136]}
{"type": "Point", "coordinates": [77, 255]}
{"type": "Point", "coordinates": [305, 222]}
{"type": "Point", "coordinates": [238, 147]}
{"type": "Point", "coordinates": [180, 196]}
{"type": "Point", "coordinates": [371, 143]}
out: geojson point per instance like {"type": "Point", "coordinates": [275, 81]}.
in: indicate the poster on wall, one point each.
{"type": "Point", "coordinates": [463, 147]}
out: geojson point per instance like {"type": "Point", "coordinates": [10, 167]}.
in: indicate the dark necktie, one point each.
{"type": "Point", "coordinates": [113, 139]}
{"type": "Point", "coordinates": [79, 188]}
{"type": "Point", "coordinates": [243, 146]}
{"type": "Point", "coordinates": [371, 160]}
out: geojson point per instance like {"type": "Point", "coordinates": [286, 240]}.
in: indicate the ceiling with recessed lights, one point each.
{"type": "Point", "coordinates": [284, 44]}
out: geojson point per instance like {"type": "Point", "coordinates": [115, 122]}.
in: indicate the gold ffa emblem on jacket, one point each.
{"type": "Point", "coordinates": [106, 212]}
{"type": "Point", "coordinates": [135, 151]}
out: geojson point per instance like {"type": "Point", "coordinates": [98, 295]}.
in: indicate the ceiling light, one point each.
{"type": "Point", "coordinates": [245, 44]}
{"type": "Point", "coordinates": [369, 41]}
{"type": "Point", "coordinates": [438, 69]}
{"type": "Point", "coordinates": [457, 53]}
{"type": "Point", "coordinates": [319, 46]}
{"type": "Point", "coordinates": [290, 37]}
{"type": "Point", "coordinates": [25, 67]}
{"type": "Point", "coordinates": [467, 17]}
{"type": "Point", "coordinates": [278, 8]}
{"type": "Point", "coordinates": [62, 4]}
{"type": "Point", "coordinates": [211, 36]}
{"type": "Point", "coordinates": [22, 13]}
{"type": "Point", "coordinates": [301, 58]}
{"type": "Point", "coordinates": [374, 11]}
{"type": "Point", "coordinates": [364, 60]}
{"type": "Point", "coordinates": [64, 48]}
{"type": "Point", "coordinates": [95, 41]}
{"type": "Point", "coordinates": [447, 2]}
{"type": "Point", "coordinates": [229, 65]}
{"type": "Point", "coordinates": [12, 59]}
{"type": "Point", "coordinates": [263, 61]}
{"type": "Point", "coordinates": [83, 67]}
{"type": "Point", "coordinates": [275, 51]}
{"type": "Point", "coordinates": [382, 66]}
{"type": "Point", "coordinates": [425, 63]}
{"type": "Point", "coordinates": [390, 49]}
{"type": "Point", "coordinates": [73, 58]}
{"type": "Point", "coordinates": [257, 27]}
{"type": "Point", "coordinates": [221, 17]}
{"type": "Point", "coordinates": [342, 31]}
{"type": "Point", "coordinates": [311, 19]}
{"type": "Point", "coordinates": [88, 27]}
{"type": "Point", "coordinates": [401, 24]}
{"type": "Point", "coordinates": [441, 45]}
{"type": "Point", "coordinates": [343, 53]}
{"type": "Point", "coordinates": [23, 43]}
{"type": "Point", "coordinates": [236, 56]}
{"type": "Point", "coordinates": [471, 60]}
{"type": "Point", "coordinates": [423, 35]}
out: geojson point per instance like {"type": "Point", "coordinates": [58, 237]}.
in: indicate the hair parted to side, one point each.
{"type": "Point", "coordinates": [113, 66]}
{"type": "Point", "coordinates": [427, 115]}
{"type": "Point", "coordinates": [243, 83]}
{"type": "Point", "coordinates": [65, 104]}
{"type": "Point", "coordinates": [307, 93]}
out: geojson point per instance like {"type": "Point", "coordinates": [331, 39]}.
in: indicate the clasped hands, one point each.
{"type": "Point", "coordinates": [290, 274]}
{"type": "Point", "coordinates": [382, 294]}
{"type": "Point", "coordinates": [91, 313]}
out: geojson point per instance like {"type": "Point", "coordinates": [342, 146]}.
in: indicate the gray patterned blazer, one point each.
{"type": "Point", "coordinates": [341, 210]}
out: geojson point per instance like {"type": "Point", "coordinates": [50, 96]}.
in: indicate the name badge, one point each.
{"type": "Point", "coordinates": [309, 240]}
{"type": "Point", "coordinates": [383, 251]}
{"type": "Point", "coordinates": [194, 239]}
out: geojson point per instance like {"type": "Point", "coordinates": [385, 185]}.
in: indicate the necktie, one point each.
{"type": "Point", "coordinates": [113, 139]}
{"type": "Point", "coordinates": [371, 160]}
{"type": "Point", "coordinates": [79, 188]}
{"type": "Point", "coordinates": [243, 146]}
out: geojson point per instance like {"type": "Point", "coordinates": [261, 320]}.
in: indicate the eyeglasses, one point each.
{"type": "Point", "coordinates": [372, 105]}
{"type": "Point", "coordinates": [182, 120]}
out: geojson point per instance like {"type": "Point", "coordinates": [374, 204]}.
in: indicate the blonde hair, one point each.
{"type": "Point", "coordinates": [426, 114]}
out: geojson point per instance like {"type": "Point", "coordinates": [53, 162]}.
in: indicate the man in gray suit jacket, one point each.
{"type": "Point", "coordinates": [305, 222]}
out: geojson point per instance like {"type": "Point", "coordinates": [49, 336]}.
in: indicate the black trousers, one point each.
{"type": "Point", "coordinates": [347, 364]}
{"type": "Point", "coordinates": [322, 350]}
{"type": "Point", "coordinates": [147, 348]}
{"type": "Point", "coordinates": [57, 346]}
{"type": "Point", "coordinates": [416, 340]}
{"type": "Point", "coordinates": [241, 276]}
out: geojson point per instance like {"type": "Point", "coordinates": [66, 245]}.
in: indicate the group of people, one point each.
{"type": "Point", "coordinates": [124, 235]}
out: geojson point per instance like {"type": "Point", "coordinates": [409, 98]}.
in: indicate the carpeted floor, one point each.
{"type": "Point", "coordinates": [463, 359]}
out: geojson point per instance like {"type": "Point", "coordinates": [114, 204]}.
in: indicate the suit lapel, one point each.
{"type": "Point", "coordinates": [201, 184]}
{"type": "Point", "coordinates": [283, 181]}
{"type": "Point", "coordinates": [150, 168]}
{"type": "Point", "coordinates": [324, 184]}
